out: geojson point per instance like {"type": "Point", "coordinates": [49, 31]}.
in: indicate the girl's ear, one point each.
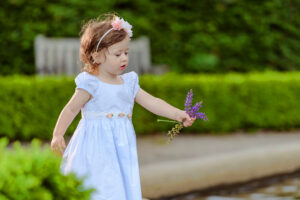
{"type": "Point", "coordinates": [98, 57]}
{"type": "Point", "coordinates": [95, 56]}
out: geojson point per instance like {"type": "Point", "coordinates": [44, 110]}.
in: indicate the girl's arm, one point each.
{"type": "Point", "coordinates": [79, 98]}
{"type": "Point", "coordinates": [161, 108]}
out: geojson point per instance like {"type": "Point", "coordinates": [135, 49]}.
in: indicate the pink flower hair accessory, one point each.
{"type": "Point", "coordinates": [117, 24]}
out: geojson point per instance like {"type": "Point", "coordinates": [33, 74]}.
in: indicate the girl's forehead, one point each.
{"type": "Point", "coordinates": [119, 48]}
{"type": "Point", "coordinates": [123, 45]}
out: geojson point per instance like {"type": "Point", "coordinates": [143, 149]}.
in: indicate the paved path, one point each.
{"type": "Point", "coordinates": [192, 162]}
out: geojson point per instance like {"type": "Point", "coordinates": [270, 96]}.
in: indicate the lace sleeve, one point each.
{"type": "Point", "coordinates": [87, 82]}
{"type": "Point", "coordinates": [136, 85]}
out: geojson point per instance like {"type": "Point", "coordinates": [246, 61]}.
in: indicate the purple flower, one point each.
{"type": "Point", "coordinates": [188, 101]}
{"type": "Point", "coordinates": [202, 116]}
{"type": "Point", "coordinates": [196, 107]}
{"type": "Point", "coordinates": [193, 111]}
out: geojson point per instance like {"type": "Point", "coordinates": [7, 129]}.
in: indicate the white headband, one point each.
{"type": "Point", "coordinates": [117, 24]}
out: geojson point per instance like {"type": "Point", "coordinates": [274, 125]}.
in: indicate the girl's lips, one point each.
{"type": "Point", "coordinates": [123, 66]}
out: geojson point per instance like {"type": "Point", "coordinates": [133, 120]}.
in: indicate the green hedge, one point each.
{"type": "Point", "coordinates": [30, 106]}
{"type": "Point", "coordinates": [32, 172]}
{"type": "Point", "coordinates": [189, 36]}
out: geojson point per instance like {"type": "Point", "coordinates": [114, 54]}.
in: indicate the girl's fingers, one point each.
{"type": "Point", "coordinates": [63, 144]}
{"type": "Point", "coordinates": [188, 120]}
{"type": "Point", "coordinates": [53, 148]}
{"type": "Point", "coordinates": [58, 149]}
{"type": "Point", "coordinates": [188, 117]}
{"type": "Point", "coordinates": [61, 149]}
{"type": "Point", "coordinates": [190, 123]}
{"type": "Point", "coordinates": [186, 124]}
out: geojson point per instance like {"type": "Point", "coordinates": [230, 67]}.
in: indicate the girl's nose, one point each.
{"type": "Point", "coordinates": [124, 57]}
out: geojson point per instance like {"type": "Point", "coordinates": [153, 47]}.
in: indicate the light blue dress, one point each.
{"type": "Point", "coordinates": [102, 148]}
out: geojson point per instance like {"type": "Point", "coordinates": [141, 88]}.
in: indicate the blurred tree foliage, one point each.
{"type": "Point", "coordinates": [194, 36]}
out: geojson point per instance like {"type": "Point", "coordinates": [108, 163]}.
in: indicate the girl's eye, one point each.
{"type": "Point", "coordinates": [126, 53]}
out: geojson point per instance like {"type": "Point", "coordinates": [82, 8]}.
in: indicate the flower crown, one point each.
{"type": "Point", "coordinates": [117, 24]}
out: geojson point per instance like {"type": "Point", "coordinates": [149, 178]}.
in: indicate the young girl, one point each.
{"type": "Point", "coordinates": [103, 146]}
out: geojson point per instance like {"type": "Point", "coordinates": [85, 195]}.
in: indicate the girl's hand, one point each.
{"type": "Point", "coordinates": [181, 115]}
{"type": "Point", "coordinates": [58, 145]}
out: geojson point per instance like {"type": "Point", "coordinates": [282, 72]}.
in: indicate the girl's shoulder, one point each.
{"type": "Point", "coordinates": [131, 76]}
{"type": "Point", "coordinates": [87, 81]}
{"type": "Point", "coordinates": [133, 82]}
{"type": "Point", "coordinates": [85, 76]}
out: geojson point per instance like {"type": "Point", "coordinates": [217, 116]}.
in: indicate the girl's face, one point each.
{"type": "Point", "coordinates": [116, 57]}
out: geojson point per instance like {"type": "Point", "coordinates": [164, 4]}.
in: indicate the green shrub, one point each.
{"type": "Point", "coordinates": [189, 36]}
{"type": "Point", "coordinates": [32, 173]}
{"type": "Point", "coordinates": [30, 106]}
{"type": "Point", "coordinates": [231, 102]}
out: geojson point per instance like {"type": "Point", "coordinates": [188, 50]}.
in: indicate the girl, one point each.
{"type": "Point", "coordinates": [103, 146]}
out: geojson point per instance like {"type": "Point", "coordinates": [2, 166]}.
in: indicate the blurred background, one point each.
{"type": "Point", "coordinates": [241, 58]}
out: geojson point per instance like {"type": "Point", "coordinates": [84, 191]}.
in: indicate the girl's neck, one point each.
{"type": "Point", "coordinates": [110, 78]}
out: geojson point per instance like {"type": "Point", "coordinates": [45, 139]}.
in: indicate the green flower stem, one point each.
{"type": "Point", "coordinates": [165, 120]}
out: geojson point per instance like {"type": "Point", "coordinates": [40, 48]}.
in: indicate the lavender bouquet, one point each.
{"type": "Point", "coordinates": [192, 112]}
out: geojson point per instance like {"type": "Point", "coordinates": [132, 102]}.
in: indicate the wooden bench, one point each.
{"type": "Point", "coordinates": [61, 56]}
